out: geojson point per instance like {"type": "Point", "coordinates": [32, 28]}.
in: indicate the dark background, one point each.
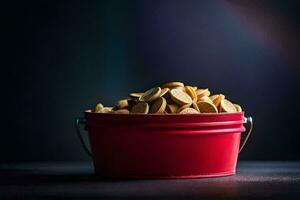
{"type": "Point", "coordinates": [61, 57]}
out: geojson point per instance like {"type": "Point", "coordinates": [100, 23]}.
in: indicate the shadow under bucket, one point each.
{"type": "Point", "coordinates": [164, 146]}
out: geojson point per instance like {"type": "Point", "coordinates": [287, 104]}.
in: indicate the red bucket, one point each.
{"type": "Point", "coordinates": [164, 146]}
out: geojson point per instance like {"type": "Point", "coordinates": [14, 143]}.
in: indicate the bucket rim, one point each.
{"type": "Point", "coordinates": [87, 111]}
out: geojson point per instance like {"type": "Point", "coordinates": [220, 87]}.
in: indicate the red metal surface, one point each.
{"type": "Point", "coordinates": [165, 146]}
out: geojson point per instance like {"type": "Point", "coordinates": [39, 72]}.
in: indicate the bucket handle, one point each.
{"type": "Point", "coordinates": [80, 121]}
{"type": "Point", "coordinates": [246, 121]}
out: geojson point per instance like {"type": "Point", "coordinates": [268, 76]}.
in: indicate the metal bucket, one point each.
{"type": "Point", "coordinates": [164, 146]}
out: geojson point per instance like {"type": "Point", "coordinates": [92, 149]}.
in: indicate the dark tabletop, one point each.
{"type": "Point", "coordinates": [254, 180]}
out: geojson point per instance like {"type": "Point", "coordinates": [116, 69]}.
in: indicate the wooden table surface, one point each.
{"type": "Point", "coordinates": [254, 180]}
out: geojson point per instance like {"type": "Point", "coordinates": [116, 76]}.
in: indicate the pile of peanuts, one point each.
{"type": "Point", "coordinates": [171, 98]}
